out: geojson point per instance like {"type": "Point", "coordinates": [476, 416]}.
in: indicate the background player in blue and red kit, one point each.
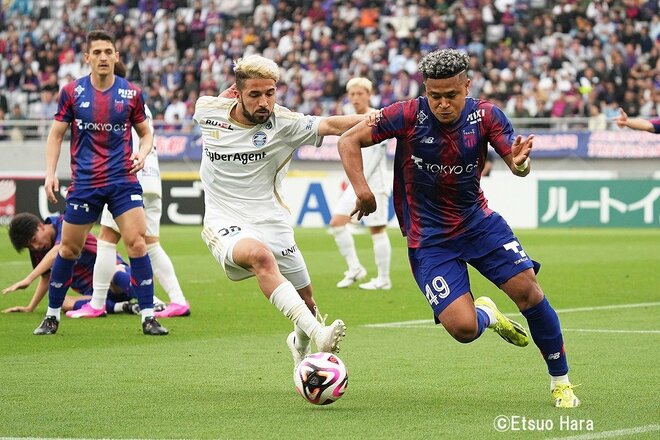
{"type": "Point", "coordinates": [101, 109]}
{"type": "Point", "coordinates": [650, 125]}
{"type": "Point", "coordinates": [442, 141]}
{"type": "Point", "coordinates": [43, 241]}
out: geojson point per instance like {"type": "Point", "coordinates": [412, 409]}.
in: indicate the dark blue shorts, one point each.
{"type": "Point", "coordinates": [491, 248]}
{"type": "Point", "coordinates": [84, 205]}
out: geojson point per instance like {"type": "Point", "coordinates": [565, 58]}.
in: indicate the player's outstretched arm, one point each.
{"type": "Point", "coordinates": [635, 123]}
{"type": "Point", "coordinates": [349, 146]}
{"type": "Point", "coordinates": [39, 294]}
{"type": "Point", "coordinates": [53, 148]}
{"type": "Point", "coordinates": [337, 125]}
{"type": "Point", "coordinates": [42, 268]}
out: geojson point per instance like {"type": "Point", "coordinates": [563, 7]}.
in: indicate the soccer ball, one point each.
{"type": "Point", "coordinates": [321, 378]}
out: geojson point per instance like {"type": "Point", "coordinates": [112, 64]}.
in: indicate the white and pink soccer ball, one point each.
{"type": "Point", "coordinates": [321, 378]}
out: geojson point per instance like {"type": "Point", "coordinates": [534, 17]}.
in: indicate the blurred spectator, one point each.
{"type": "Point", "coordinates": [563, 60]}
{"type": "Point", "coordinates": [597, 120]}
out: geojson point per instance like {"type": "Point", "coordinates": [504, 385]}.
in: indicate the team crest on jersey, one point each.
{"type": "Point", "coordinates": [470, 138]}
{"type": "Point", "coordinates": [119, 106]}
{"type": "Point", "coordinates": [421, 117]}
{"type": "Point", "coordinates": [79, 89]}
{"type": "Point", "coordinates": [259, 139]}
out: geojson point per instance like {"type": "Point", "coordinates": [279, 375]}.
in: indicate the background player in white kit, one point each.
{"type": "Point", "coordinates": [374, 159]}
{"type": "Point", "coordinates": [109, 236]}
{"type": "Point", "coordinates": [248, 144]}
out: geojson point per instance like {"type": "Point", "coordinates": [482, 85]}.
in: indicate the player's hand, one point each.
{"type": "Point", "coordinates": [231, 92]}
{"type": "Point", "coordinates": [373, 118]}
{"type": "Point", "coordinates": [364, 205]}
{"type": "Point", "coordinates": [521, 149]}
{"type": "Point", "coordinates": [17, 309]}
{"type": "Point", "coordinates": [22, 284]}
{"type": "Point", "coordinates": [622, 119]}
{"type": "Point", "coordinates": [138, 162]}
{"type": "Point", "coordinates": [51, 185]}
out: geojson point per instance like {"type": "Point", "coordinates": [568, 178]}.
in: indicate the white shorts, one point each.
{"type": "Point", "coordinates": [153, 209]}
{"type": "Point", "coordinates": [222, 235]}
{"type": "Point", "coordinates": [346, 205]}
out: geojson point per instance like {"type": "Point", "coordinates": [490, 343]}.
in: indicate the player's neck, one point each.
{"type": "Point", "coordinates": [102, 82]}
{"type": "Point", "coordinates": [236, 114]}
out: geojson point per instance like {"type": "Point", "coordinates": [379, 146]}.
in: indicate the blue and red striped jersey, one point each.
{"type": "Point", "coordinates": [101, 122]}
{"type": "Point", "coordinates": [437, 167]}
{"type": "Point", "coordinates": [83, 268]}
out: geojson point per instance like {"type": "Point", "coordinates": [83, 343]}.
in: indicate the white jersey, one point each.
{"type": "Point", "coordinates": [149, 176]}
{"type": "Point", "coordinates": [374, 166]}
{"type": "Point", "coordinates": [243, 166]}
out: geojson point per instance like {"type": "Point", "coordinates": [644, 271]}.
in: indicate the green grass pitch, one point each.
{"type": "Point", "coordinates": [225, 371]}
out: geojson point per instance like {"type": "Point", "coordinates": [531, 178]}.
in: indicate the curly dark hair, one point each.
{"type": "Point", "coordinates": [22, 228]}
{"type": "Point", "coordinates": [444, 63]}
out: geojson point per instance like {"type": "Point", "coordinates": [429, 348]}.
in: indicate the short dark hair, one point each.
{"type": "Point", "coordinates": [444, 63]}
{"type": "Point", "coordinates": [99, 34]}
{"type": "Point", "coordinates": [22, 228]}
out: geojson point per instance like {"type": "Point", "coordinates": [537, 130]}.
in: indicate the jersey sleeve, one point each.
{"type": "Point", "coordinates": [500, 131]}
{"type": "Point", "coordinates": [203, 105]}
{"type": "Point", "coordinates": [656, 125]}
{"type": "Point", "coordinates": [137, 111]}
{"type": "Point", "coordinates": [65, 105]}
{"type": "Point", "coordinates": [300, 129]}
{"type": "Point", "coordinates": [390, 122]}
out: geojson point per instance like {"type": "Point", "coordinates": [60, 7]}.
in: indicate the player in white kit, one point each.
{"type": "Point", "coordinates": [248, 144]}
{"type": "Point", "coordinates": [374, 159]}
{"type": "Point", "coordinates": [109, 236]}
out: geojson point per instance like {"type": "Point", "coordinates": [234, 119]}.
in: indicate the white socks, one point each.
{"type": "Point", "coordinates": [164, 273]}
{"type": "Point", "coordinates": [54, 312]}
{"type": "Point", "coordinates": [491, 315]}
{"type": "Point", "coordinates": [346, 245]}
{"type": "Point", "coordinates": [382, 254]}
{"type": "Point", "coordinates": [104, 269]}
{"type": "Point", "coordinates": [554, 380]}
{"type": "Point", "coordinates": [286, 299]}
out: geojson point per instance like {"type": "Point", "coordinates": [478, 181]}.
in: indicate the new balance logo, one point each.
{"type": "Point", "coordinates": [56, 285]}
{"type": "Point", "coordinates": [147, 282]}
{"type": "Point", "coordinates": [554, 356]}
{"type": "Point", "coordinates": [427, 140]}
{"type": "Point", "coordinates": [84, 104]}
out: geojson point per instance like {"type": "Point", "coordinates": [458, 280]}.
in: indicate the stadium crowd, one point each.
{"type": "Point", "coordinates": [533, 58]}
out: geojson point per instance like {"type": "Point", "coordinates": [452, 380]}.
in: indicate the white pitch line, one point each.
{"type": "Point", "coordinates": [612, 434]}
{"type": "Point", "coordinates": [595, 330]}
{"type": "Point", "coordinates": [427, 322]}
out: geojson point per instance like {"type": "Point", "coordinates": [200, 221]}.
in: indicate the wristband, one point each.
{"type": "Point", "coordinates": [522, 167]}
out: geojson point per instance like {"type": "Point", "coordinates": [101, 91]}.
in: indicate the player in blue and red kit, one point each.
{"type": "Point", "coordinates": [101, 109]}
{"type": "Point", "coordinates": [442, 142]}
{"type": "Point", "coordinates": [43, 241]}
{"type": "Point", "coordinates": [650, 125]}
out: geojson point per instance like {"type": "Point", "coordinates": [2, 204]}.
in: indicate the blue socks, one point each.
{"type": "Point", "coordinates": [482, 321]}
{"type": "Point", "coordinates": [122, 279]}
{"type": "Point", "coordinates": [546, 332]}
{"type": "Point", "coordinates": [142, 275]}
{"type": "Point", "coordinates": [60, 280]}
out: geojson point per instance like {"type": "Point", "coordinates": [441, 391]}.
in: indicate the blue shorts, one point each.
{"type": "Point", "coordinates": [491, 248]}
{"type": "Point", "coordinates": [84, 205]}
